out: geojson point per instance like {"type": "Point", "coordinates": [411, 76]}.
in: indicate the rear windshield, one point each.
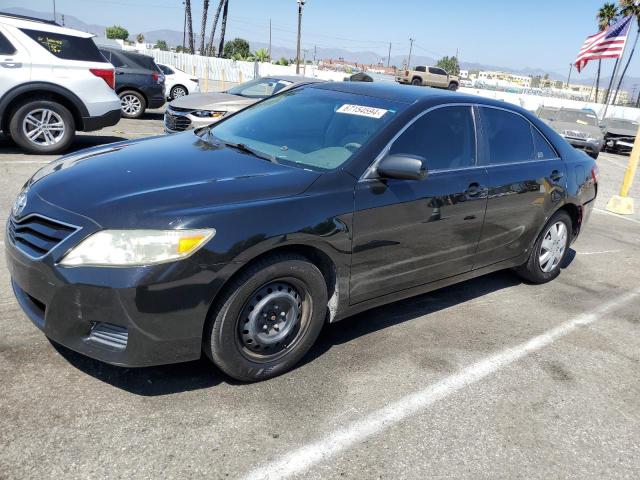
{"type": "Point", "coordinates": [66, 47]}
{"type": "Point", "coordinates": [309, 127]}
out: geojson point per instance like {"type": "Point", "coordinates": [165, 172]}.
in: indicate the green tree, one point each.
{"type": "Point", "coordinates": [607, 15]}
{"type": "Point", "coordinates": [117, 32]}
{"type": "Point", "coordinates": [237, 46]}
{"type": "Point", "coordinates": [140, 38]}
{"type": "Point", "coordinates": [449, 65]}
{"type": "Point", "coordinates": [262, 55]}
{"type": "Point", "coordinates": [283, 61]}
{"type": "Point", "coordinates": [161, 45]}
{"type": "Point", "coordinates": [629, 7]}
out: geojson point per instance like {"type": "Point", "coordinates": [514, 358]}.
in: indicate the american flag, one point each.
{"type": "Point", "coordinates": [606, 44]}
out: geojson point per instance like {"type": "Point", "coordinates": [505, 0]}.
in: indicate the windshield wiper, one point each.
{"type": "Point", "coordinates": [247, 149]}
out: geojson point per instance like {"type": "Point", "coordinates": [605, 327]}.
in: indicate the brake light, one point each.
{"type": "Point", "coordinates": [107, 74]}
{"type": "Point", "coordinates": [594, 174]}
{"type": "Point", "coordinates": [154, 75]}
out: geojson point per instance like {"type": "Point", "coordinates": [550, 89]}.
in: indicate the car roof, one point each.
{"type": "Point", "coordinates": [42, 25]}
{"type": "Point", "coordinates": [295, 79]}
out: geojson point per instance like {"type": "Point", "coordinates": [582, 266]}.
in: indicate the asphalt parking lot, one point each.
{"type": "Point", "coordinates": [491, 378]}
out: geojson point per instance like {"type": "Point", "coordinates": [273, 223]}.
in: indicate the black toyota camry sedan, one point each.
{"type": "Point", "coordinates": [242, 239]}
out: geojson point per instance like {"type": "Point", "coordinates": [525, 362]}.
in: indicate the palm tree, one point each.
{"type": "Point", "coordinates": [203, 25]}
{"type": "Point", "coordinates": [223, 27]}
{"type": "Point", "coordinates": [606, 16]}
{"type": "Point", "coordinates": [627, 8]}
{"type": "Point", "coordinates": [187, 9]}
{"type": "Point", "coordinates": [261, 55]}
{"type": "Point", "coordinates": [213, 27]}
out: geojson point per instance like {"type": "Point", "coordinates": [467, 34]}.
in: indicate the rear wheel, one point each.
{"type": "Point", "coordinates": [268, 319]}
{"type": "Point", "coordinates": [416, 81]}
{"type": "Point", "coordinates": [549, 250]}
{"type": "Point", "coordinates": [132, 104]}
{"type": "Point", "coordinates": [178, 91]}
{"type": "Point", "coordinates": [42, 126]}
{"type": "Point", "coordinates": [453, 86]}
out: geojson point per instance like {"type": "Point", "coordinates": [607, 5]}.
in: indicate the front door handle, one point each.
{"type": "Point", "coordinates": [119, 73]}
{"type": "Point", "coordinates": [556, 176]}
{"type": "Point", "coordinates": [10, 64]}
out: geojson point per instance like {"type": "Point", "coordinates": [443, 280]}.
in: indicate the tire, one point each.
{"type": "Point", "coordinates": [236, 339]}
{"type": "Point", "coordinates": [594, 155]}
{"type": "Point", "coordinates": [536, 271]}
{"type": "Point", "coordinates": [132, 104]}
{"type": "Point", "coordinates": [416, 81]}
{"type": "Point", "coordinates": [178, 91]}
{"type": "Point", "coordinates": [453, 86]}
{"type": "Point", "coordinates": [28, 132]}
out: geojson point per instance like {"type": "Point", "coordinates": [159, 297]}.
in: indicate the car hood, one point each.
{"type": "Point", "coordinates": [212, 101]}
{"type": "Point", "coordinates": [626, 132]}
{"type": "Point", "coordinates": [153, 181]}
{"type": "Point", "coordinates": [591, 130]}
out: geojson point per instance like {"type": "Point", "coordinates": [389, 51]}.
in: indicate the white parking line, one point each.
{"type": "Point", "coordinates": [621, 217]}
{"type": "Point", "coordinates": [599, 253]}
{"type": "Point", "coordinates": [303, 458]}
{"type": "Point", "coordinates": [624, 167]}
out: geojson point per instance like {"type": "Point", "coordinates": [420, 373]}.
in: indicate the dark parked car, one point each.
{"type": "Point", "coordinates": [242, 239]}
{"type": "Point", "coordinates": [619, 134]}
{"type": "Point", "coordinates": [139, 81]}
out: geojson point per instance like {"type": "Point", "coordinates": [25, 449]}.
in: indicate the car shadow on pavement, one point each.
{"type": "Point", "coordinates": [201, 374]}
{"type": "Point", "coordinates": [81, 141]}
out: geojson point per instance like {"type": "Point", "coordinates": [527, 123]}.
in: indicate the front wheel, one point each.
{"type": "Point", "coordinates": [549, 250]}
{"type": "Point", "coordinates": [268, 319]}
{"type": "Point", "coordinates": [416, 81]}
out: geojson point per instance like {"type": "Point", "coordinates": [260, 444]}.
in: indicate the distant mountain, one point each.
{"type": "Point", "coordinates": [174, 38]}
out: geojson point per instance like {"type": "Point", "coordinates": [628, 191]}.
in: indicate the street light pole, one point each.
{"type": "Point", "coordinates": [411, 40]}
{"type": "Point", "coordinates": [569, 78]}
{"type": "Point", "coordinates": [300, 5]}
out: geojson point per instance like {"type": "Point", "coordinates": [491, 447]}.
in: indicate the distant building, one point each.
{"type": "Point", "coordinates": [504, 77]}
{"type": "Point", "coordinates": [464, 74]}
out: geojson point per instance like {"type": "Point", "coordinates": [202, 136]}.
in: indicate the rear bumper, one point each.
{"type": "Point", "coordinates": [156, 100]}
{"type": "Point", "coordinates": [96, 123]}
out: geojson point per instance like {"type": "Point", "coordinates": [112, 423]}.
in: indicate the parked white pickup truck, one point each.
{"type": "Point", "coordinates": [428, 76]}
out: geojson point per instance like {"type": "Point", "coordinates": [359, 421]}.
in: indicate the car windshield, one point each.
{"type": "Point", "coordinates": [547, 114]}
{"type": "Point", "coordinates": [578, 117]}
{"type": "Point", "coordinates": [309, 127]}
{"type": "Point", "coordinates": [259, 88]}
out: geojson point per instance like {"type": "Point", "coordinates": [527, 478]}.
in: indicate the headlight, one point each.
{"type": "Point", "coordinates": [120, 248]}
{"type": "Point", "coordinates": [208, 114]}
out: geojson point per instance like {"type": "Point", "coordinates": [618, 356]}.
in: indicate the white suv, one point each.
{"type": "Point", "coordinates": [53, 82]}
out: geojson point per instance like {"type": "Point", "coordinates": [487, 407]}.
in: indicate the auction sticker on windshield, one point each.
{"type": "Point", "coordinates": [361, 110]}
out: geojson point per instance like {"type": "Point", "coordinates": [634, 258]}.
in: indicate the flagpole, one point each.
{"type": "Point", "coordinates": [615, 72]}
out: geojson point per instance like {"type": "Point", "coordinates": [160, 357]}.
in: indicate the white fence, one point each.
{"type": "Point", "coordinates": [218, 73]}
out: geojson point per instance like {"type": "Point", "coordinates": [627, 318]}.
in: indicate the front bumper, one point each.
{"type": "Point", "coordinates": [179, 121]}
{"type": "Point", "coordinates": [157, 312]}
{"type": "Point", "coordinates": [590, 146]}
{"type": "Point", "coordinates": [620, 145]}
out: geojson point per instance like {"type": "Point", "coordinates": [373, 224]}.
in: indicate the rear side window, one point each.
{"type": "Point", "coordinates": [543, 150]}
{"type": "Point", "coordinates": [118, 61]}
{"type": "Point", "coordinates": [508, 136]}
{"type": "Point", "coordinates": [166, 70]}
{"type": "Point", "coordinates": [66, 47]}
{"type": "Point", "coordinates": [445, 137]}
{"type": "Point", "coordinates": [5, 46]}
{"type": "Point", "coordinates": [421, 69]}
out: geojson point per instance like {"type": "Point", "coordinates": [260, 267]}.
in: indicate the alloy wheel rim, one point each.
{"type": "Point", "coordinates": [179, 92]}
{"type": "Point", "coordinates": [553, 246]}
{"type": "Point", "coordinates": [271, 320]}
{"type": "Point", "coordinates": [43, 127]}
{"type": "Point", "coordinates": [130, 104]}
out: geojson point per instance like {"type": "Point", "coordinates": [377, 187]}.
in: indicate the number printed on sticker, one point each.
{"type": "Point", "coordinates": [361, 110]}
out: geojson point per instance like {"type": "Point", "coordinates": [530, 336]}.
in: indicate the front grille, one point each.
{"type": "Point", "coordinates": [176, 122]}
{"type": "Point", "coordinates": [178, 109]}
{"type": "Point", "coordinates": [109, 335]}
{"type": "Point", "coordinates": [36, 235]}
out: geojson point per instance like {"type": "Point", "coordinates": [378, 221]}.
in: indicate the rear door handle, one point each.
{"type": "Point", "coordinates": [11, 64]}
{"type": "Point", "coordinates": [556, 175]}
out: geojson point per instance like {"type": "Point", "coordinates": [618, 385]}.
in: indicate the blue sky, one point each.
{"type": "Point", "coordinates": [539, 34]}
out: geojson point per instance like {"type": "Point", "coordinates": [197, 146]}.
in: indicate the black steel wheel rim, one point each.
{"type": "Point", "coordinates": [273, 320]}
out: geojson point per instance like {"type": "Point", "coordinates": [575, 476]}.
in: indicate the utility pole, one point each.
{"type": "Point", "coordinates": [54, 10]}
{"type": "Point", "coordinates": [315, 52]}
{"type": "Point", "coordinates": [389, 56]}
{"type": "Point", "coordinates": [569, 78]}
{"type": "Point", "coordinates": [62, 19]}
{"type": "Point", "coordinates": [411, 40]}
{"type": "Point", "coordinates": [300, 5]}
{"type": "Point", "coordinates": [184, 27]}
{"type": "Point", "coordinates": [270, 39]}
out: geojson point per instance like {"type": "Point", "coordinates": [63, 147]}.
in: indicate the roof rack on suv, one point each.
{"type": "Point", "coordinates": [26, 17]}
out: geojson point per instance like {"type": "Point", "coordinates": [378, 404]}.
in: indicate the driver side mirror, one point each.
{"type": "Point", "coordinates": [403, 167]}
